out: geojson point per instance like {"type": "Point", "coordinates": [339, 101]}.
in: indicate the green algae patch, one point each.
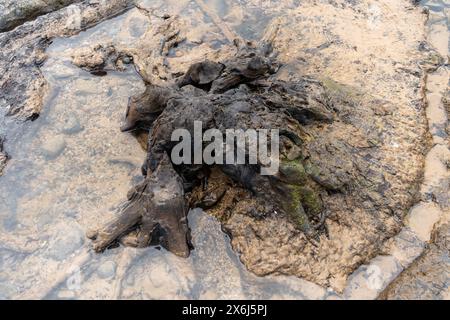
{"type": "Point", "coordinates": [293, 172]}
{"type": "Point", "coordinates": [302, 202]}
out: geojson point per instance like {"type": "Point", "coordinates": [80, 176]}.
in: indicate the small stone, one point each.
{"type": "Point", "coordinates": [407, 247]}
{"type": "Point", "coordinates": [53, 147]}
{"type": "Point", "coordinates": [196, 40]}
{"type": "Point", "coordinates": [72, 125]}
{"type": "Point", "coordinates": [422, 219]}
{"type": "Point", "coordinates": [7, 291]}
{"type": "Point", "coordinates": [127, 59]}
{"type": "Point", "coordinates": [368, 281]}
{"type": "Point", "coordinates": [107, 270]}
{"type": "Point", "coordinates": [91, 234]}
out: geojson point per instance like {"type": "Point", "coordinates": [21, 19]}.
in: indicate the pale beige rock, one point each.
{"type": "Point", "coordinates": [422, 219]}
{"type": "Point", "coordinates": [315, 41]}
{"type": "Point", "coordinates": [370, 280]}
{"type": "Point", "coordinates": [350, 58]}
{"type": "Point", "coordinates": [406, 247]}
{"type": "Point", "coordinates": [428, 277]}
{"type": "Point", "coordinates": [53, 146]}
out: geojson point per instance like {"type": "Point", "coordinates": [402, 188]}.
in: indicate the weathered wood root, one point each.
{"type": "Point", "coordinates": [156, 214]}
{"type": "Point", "coordinates": [221, 96]}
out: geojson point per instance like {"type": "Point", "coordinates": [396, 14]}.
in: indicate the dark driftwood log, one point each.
{"type": "Point", "coordinates": [240, 93]}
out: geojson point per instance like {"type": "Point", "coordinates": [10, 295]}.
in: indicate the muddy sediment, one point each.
{"type": "Point", "coordinates": [373, 155]}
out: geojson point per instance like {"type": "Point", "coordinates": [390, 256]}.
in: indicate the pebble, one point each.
{"type": "Point", "coordinates": [7, 291]}
{"type": "Point", "coordinates": [107, 270]}
{"type": "Point", "coordinates": [72, 125]}
{"type": "Point", "coordinates": [407, 247]}
{"type": "Point", "coordinates": [422, 219]}
{"type": "Point", "coordinates": [53, 146]}
{"type": "Point", "coordinates": [66, 241]}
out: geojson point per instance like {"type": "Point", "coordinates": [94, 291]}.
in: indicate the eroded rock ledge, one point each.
{"type": "Point", "coordinates": [14, 13]}
{"type": "Point", "coordinates": [361, 156]}
{"type": "Point", "coordinates": [23, 50]}
{"type": "Point", "coordinates": [370, 156]}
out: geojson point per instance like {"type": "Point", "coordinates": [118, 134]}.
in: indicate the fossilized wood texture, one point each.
{"type": "Point", "coordinates": [239, 93]}
{"type": "Point", "coordinates": [23, 50]}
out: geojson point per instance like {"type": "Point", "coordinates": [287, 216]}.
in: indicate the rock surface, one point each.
{"type": "Point", "coordinates": [53, 147]}
{"type": "Point", "coordinates": [107, 269]}
{"type": "Point", "coordinates": [386, 83]}
{"type": "Point", "coordinates": [65, 242]}
{"type": "Point", "coordinates": [372, 191]}
{"type": "Point", "coordinates": [14, 13]}
{"type": "Point", "coordinates": [368, 212]}
{"type": "Point", "coordinates": [428, 278]}
{"type": "Point", "coordinates": [3, 157]}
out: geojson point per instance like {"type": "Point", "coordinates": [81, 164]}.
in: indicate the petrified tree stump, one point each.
{"type": "Point", "coordinates": [240, 93]}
